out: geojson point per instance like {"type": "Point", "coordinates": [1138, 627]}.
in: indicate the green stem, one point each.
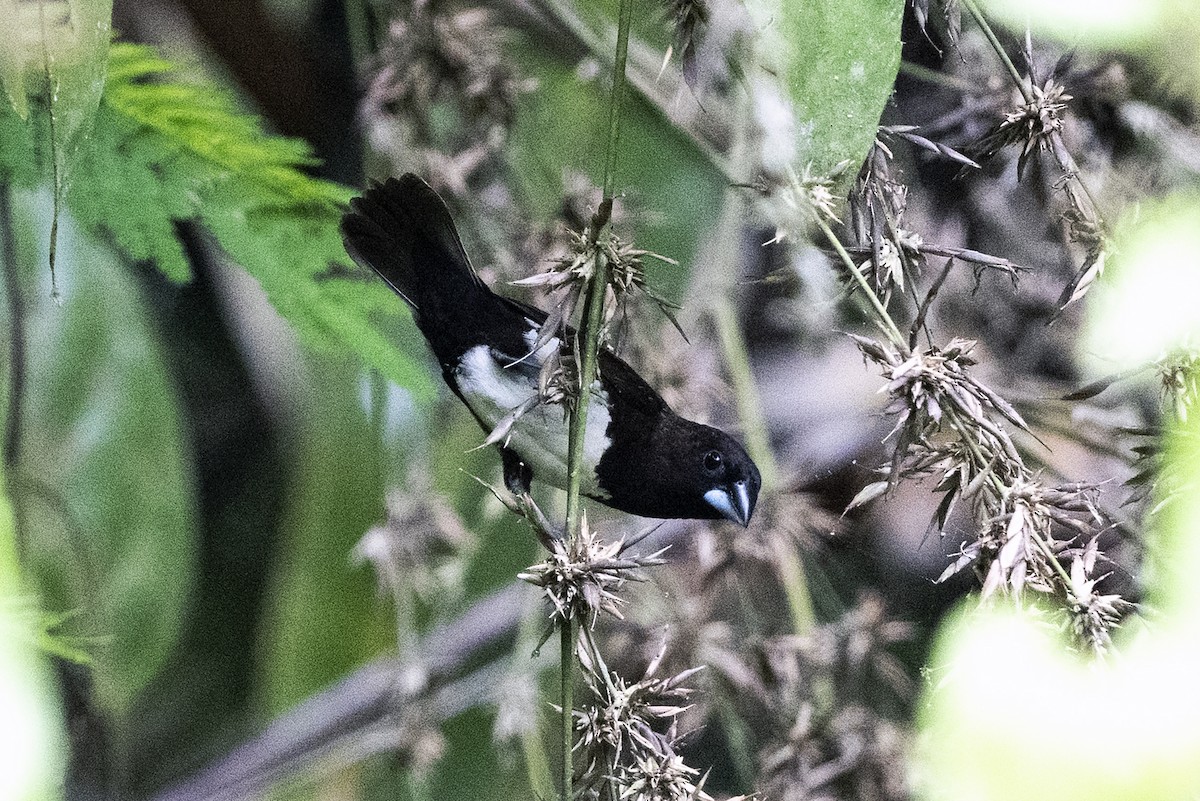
{"type": "Point", "coordinates": [537, 761]}
{"type": "Point", "coordinates": [16, 325]}
{"type": "Point", "coordinates": [18, 352]}
{"type": "Point", "coordinates": [884, 318]}
{"type": "Point", "coordinates": [982, 22]}
{"type": "Point", "coordinates": [749, 405]}
{"type": "Point", "coordinates": [644, 84]}
{"type": "Point", "coordinates": [587, 339]}
{"type": "Point", "coordinates": [618, 96]}
{"type": "Point", "coordinates": [587, 349]}
{"type": "Point", "coordinates": [567, 636]}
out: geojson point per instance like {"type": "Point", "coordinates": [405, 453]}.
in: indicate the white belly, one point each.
{"type": "Point", "coordinates": [540, 435]}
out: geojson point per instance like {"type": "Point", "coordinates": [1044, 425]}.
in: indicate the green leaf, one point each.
{"type": "Point", "coordinates": [18, 159]}
{"type": "Point", "coordinates": [167, 151]}
{"type": "Point", "coordinates": [63, 47]}
{"type": "Point", "coordinates": [104, 474]}
{"type": "Point", "coordinates": [33, 763]}
{"type": "Point", "coordinates": [836, 62]}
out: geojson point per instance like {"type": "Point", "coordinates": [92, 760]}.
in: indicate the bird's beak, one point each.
{"type": "Point", "coordinates": [733, 502]}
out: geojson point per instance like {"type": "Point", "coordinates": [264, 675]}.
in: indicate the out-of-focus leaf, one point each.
{"type": "Point", "coordinates": [18, 158]}
{"type": "Point", "coordinates": [32, 740]}
{"type": "Point", "coordinates": [183, 151]}
{"type": "Point", "coordinates": [104, 474]}
{"type": "Point", "coordinates": [1163, 34]}
{"type": "Point", "coordinates": [837, 63]}
{"type": "Point", "coordinates": [60, 50]}
{"type": "Point", "coordinates": [64, 43]}
{"type": "Point", "coordinates": [325, 613]}
{"type": "Point", "coordinates": [1145, 305]}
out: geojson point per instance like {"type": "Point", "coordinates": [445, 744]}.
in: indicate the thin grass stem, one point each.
{"type": "Point", "coordinates": [884, 318]}
{"type": "Point", "coordinates": [984, 26]}
{"type": "Point", "coordinates": [587, 347]}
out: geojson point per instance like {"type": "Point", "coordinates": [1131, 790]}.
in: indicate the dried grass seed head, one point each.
{"type": "Point", "coordinates": [436, 56]}
{"type": "Point", "coordinates": [1029, 125]}
{"type": "Point", "coordinates": [422, 547]}
{"type": "Point", "coordinates": [824, 739]}
{"type": "Point", "coordinates": [443, 96]}
{"type": "Point", "coordinates": [581, 579]}
{"type": "Point", "coordinates": [629, 734]}
{"type": "Point", "coordinates": [1179, 382]}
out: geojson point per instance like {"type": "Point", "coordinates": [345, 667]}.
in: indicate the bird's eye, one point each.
{"type": "Point", "coordinates": [712, 461]}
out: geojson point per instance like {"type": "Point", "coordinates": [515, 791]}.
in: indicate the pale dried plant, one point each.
{"type": "Point", "coordinates": [951, 427]}
{"type": "Point", "coordinates": [440, 57]}
{"type": "Point", "coordinates": [826, 738]}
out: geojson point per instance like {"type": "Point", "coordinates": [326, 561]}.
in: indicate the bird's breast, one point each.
{"type": "Point", "coordinates": [493, 388]}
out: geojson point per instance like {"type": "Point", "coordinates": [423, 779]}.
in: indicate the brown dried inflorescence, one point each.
{"type": "Point", "coordinates": [950, 426]}
{"type": "Point", "coordinates": [826, 739]}
{"type": "Point", "coordinates": [438, 64]}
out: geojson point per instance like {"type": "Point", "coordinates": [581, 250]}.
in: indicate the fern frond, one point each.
{"type": "Point", "coordinates": [165, 150]}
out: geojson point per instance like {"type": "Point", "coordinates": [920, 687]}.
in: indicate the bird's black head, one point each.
{"type": "Point", "coordinates": [686, 470]}
{"type": "Point", "coordinates": [729, 479]}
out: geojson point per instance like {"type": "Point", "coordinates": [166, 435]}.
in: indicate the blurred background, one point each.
{"type": "Point", "coordinates": [275, 569]}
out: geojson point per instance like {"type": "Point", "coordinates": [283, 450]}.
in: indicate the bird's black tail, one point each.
{"type": "Point", "coordinates": [403, 231]}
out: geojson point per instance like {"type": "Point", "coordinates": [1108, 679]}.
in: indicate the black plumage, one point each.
{"type": "Point", "coordinates": [640, 457]}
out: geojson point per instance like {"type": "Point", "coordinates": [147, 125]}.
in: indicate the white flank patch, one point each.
{"type": "Point", "coordinates": [540, 434]}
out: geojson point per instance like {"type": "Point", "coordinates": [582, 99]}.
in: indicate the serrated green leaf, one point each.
{"type": "Point", "coordinates": [837, 62]}
{"type": "Point", "coordinates": [167, 151]}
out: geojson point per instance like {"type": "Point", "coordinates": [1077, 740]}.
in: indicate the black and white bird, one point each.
{"type": "Point", "coordinates": [639, 456]}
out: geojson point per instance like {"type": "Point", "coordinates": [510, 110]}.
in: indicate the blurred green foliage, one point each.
{"type": "Point", "coordinates": [109, 506]}
{"type": "Point", "coordinates": [837, 64]}
{"type": "Point", "coordinates": [33, 737]}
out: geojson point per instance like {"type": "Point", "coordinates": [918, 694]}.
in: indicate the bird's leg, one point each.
{"type": "Point", "coordinates": [517, 474]}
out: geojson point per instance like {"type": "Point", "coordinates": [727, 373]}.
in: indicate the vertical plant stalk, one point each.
{"type": "Point", "coordinates": [1066, 162]}
{"type": "Point", "coordinates": [17, 357]}
{"type": "Point", "coordinates": [749, 406]}
{"type": "Point", "coordinates": [882, 317]}
{"type": "Point", "coordinates": [17, 346]}
{"type": "Point", "coordinates": [587, 348]}
{"type": "Point", "coordinates": [994, 41]}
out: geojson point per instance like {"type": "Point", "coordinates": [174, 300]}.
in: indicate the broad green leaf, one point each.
{"type": "Point", "coordinates": [65, 45]}
{"type": "Point", "coordinates": [104, 475]}
{"type": "Point", "coordinates": [837, 62]}
{"type": "Point", "coordinates": [18, 155]}
{"type": "Point", "coordinates": [61, 45]}
{"type": "Point", "coordinates": [16, 47]}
